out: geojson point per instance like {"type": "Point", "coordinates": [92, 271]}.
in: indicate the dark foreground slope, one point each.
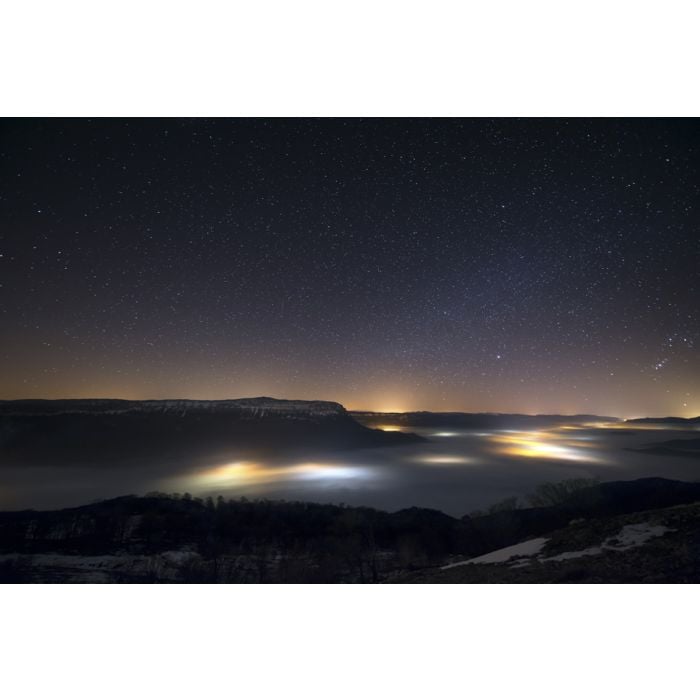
{"type": "Point", "coordinates": [166, 539]}
{"type": "Point", "coordinates": [653, 546]}
{"type": "Point", "coordinates": [89, 430]}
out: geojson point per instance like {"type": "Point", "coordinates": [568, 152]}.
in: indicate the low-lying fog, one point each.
{"type": "Point", "coordinates": [456, 471]}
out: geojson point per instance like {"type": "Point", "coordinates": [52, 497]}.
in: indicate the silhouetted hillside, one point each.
{"type": "Point", "coordinates": [162, 538]}
{"type": "Point", "coordinates": [669, 422]}
{"type": "Point", "coordinates": [660, 545]}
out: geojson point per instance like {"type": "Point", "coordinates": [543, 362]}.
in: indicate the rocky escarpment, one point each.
{"type": "Point", "coordinates": [95, 430]}
{"type": "Point", "coordinates": [244, 408]}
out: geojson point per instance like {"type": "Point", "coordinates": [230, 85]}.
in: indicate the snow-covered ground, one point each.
{"type": "Point", "coordinates": [522, 554]}
{"type": "Point", "coordinates": [103, 568]}
{"type": "Point", "coordinates": [523, 549]}
{"type": "Point", "coordinates": [630, 536]}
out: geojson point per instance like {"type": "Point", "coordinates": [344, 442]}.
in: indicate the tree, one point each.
{"type": "Point", "coordinates": [555, 493]}
{"type": "Point", "coordinates": [511, 503]}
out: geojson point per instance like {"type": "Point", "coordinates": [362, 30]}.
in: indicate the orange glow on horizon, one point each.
{"type": "Point", "coordinates": [542, 445]}
{"type": "Point", "coordinates": [248, 473]}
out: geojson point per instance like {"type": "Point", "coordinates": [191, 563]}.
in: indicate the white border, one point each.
{"type": "Point", "coordinates": [351, 642]}
{"type": "Point", "coordinates": [360, 58]}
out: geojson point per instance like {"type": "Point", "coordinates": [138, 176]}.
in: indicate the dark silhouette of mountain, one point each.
{"type": "Point", "coordinates": [669, 421]}
{"type": "Point", "coordinates": [478, 421]}
{"type": "Point", "coordinates": [92, 430]}
{"type": "Point", "coordinates": [178, 539]}
{"type": "Point", "coordinates": [679, 448]}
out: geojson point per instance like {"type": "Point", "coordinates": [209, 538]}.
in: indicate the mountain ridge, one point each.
{"type": "Point", "coordinates": [91, 430]}
{"type": "Point", "coordinates": [431, 419]}
{"type": "Point", "coordinates": [256, 405]}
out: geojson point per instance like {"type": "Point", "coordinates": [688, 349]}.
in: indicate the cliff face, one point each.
{"type": "Point", "coordinates": [244, 408]}
{"type": "Point", "coordinates": [98, 430]}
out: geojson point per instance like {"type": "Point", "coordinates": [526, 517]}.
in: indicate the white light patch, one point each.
{"type": "Point", "coordinates": [445, 459]}
{"type": "Point", "coordinates": [330, 472]}
{"type": "Point", "coordinates": [543, 445]}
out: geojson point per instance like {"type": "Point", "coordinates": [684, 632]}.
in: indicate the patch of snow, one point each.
{"type": "Point", "coordinates": [178, 556]}
{"type": "Point", "coordinates": [636, 535]}
{"type": "Point", "coordinates": [520, 564]}
{"type": "Point", "coordinates": [528, 548]}
{"type": "Point", "coordinates": [589, 552]}
{"type": "Point", "coordinates": [630, 536]}
{"type": "Point", "coordinates": [103, 568]}
{"type": "Point", "coordinates": [523, 553]}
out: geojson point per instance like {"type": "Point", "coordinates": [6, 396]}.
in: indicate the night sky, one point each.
{"type": "Point", "coordinates": [534, 265]}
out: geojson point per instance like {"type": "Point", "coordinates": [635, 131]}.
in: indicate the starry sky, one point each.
{"type": "Point", "coordinates": [531, 265]}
